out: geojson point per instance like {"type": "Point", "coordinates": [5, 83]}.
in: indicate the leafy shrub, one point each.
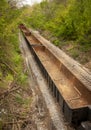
{"type": "Point", "coordinates": [72, 21]}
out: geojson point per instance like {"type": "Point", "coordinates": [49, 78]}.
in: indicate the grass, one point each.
{"type": "Point", "coordinates": [19, 99]}
{"type": "Point", "coordinates": [74, 53]}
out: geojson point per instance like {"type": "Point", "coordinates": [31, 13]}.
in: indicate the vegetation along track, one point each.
{"type": "Point", "coordinates": [69, 81]}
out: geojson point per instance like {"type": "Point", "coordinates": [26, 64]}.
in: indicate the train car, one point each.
{"type": "Point", "coordinates": [70, 84]}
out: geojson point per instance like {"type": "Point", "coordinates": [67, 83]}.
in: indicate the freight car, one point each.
{"type": "Point", "coordinates": [69, 82]}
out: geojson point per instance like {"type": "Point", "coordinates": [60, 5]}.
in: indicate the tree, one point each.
{"type": "Point", "coordinates": [16, 3]}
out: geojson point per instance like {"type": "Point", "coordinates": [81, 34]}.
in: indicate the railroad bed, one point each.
{"type": "Point", "coordinates": [69, 81]}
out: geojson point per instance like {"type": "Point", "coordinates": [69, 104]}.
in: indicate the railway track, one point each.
{"type": "Point", "coordinates": [69, 81]}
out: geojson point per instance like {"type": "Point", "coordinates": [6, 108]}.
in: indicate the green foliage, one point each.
{"type": "Point", "coordinates": [22, 78]}
{"type": "Point", "coordinates": [74, 53]}
{"type": "Point", "coordinates": [56, 42]}
{"type": "Point", "coordinates": [25, 101]}
{"type": "Point", "coordinates": [9, 77]}
{"type": "Point", "coordinates": [19, 99]}
{"type": "Point", "coordinates": [10, 58]}
{"type": "Point", "coordinates": [71, 22]}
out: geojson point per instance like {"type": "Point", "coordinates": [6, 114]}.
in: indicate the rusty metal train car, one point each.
{"type": "Point", "coordinates": [69, 82]}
